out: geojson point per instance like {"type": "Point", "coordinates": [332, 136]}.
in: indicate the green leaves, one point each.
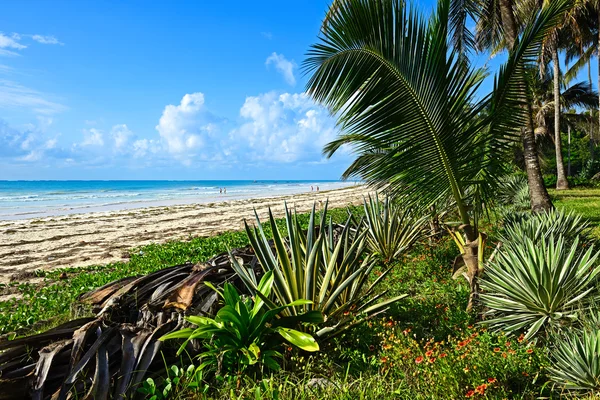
{"type": "Point", "coordinates": [242, 333]}
{"type": "Point", "coordinates": [576, 361]}
{"type": "Point", "coordinates": [391, 229]}
{"type": "Point", "coordinates": [326, 264]}
{"type": "Point", "coordinates": [532, 286]}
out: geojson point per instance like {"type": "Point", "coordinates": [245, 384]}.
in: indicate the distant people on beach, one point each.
{"type": "Point", "coordinates": [311, 188]}
{"type": "Point", "coordinates": [220, 190]}
{"type": "Point", "coordinates": [224, 190]}
{"type": "Point", "coordinates": [317, 188]}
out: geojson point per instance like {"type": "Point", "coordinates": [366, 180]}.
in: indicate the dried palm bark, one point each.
{"type": "Point", "coordinates": [108, 355]}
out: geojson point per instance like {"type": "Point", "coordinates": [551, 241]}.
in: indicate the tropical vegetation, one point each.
{"type": "Point", "coordinates": [368, 301]}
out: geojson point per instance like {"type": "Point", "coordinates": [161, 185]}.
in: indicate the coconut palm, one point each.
{"type": "Point", "coordinates": [497, 29]}
{"type": "Point", "coordinates": [406, 104]}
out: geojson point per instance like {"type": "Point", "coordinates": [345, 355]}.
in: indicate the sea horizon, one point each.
{"type": "Point", "coordinates": [30, 199]}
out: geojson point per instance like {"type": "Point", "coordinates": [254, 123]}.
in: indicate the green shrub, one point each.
{"type": "Point", "coordinates": [246, 332]}
{"type": "Point", "coordinates": [576, 361]}
{"type": "Point", "coordinates": [514, 192]}
{"type": "Point", "coordinates": [531, 285]}
{"type": "Point", "coordinates": [327, 266]}
{"type": "Point", "coordinates": [391, 230]}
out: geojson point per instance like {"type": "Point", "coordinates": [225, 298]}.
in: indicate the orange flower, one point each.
{"type": "Point", "coordinates": [504, 355]}
{"type": "Point", "coordinates": [432, 360]}
{"type": "Point", "coordinates": [481, 388]}
{"type": "Point", "coordinates": [387, 346]}
{"type": "Point", "coordinates": [496, 349]}
{"type": "Point", "coordinates": [492, 380]}
{"type": "Point", "coordinates": [521, 338]}
{"type": "Point", "coordinates": [507, 344]}
{"type": "Point", "coordinates": [470, 393]}
{"type": "Point", "coordinates": [463, 343]}
{"type": "Point", "coordinates": [525, 373]}
{"type": "Point", "coordinates": [529, 351]}
{"type": "Point", "coordinates": [419, 360]}
{"type": "Point", "coordinates": [429, 353]}
{"type": "Point", "coordinates": [466, 369]}
{"type": "Point", "coordinates": [384, 359]}
{"type": "Point", "coordinates": [443, 355]}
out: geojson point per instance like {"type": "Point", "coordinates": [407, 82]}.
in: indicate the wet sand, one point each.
{"type": "Point", "coordinates": [100, 238]}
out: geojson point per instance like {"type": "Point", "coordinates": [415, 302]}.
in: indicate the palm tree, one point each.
{"type": "Point", "coordinates": [407, 104]}
{"type": "Point", "coordinates": [498, 25]}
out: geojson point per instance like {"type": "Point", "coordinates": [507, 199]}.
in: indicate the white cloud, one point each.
{"type": "Point", "coordinates": [14, 95]}
{"type": "Point", "coordinates": [284, 66]}
{"type": "Point", "coordinates": [92, 137]}
{"type": "Point", "coordinates": [188, 127]}
{"type": "Point", "coordinates": [121, 136]}
{"type": "Point", "coordinates": [46, 39]}
{"type": "Point", "coordinates": [282, 128]}
{"type": "Point", "coordinates": [267, 35]}
{"type": "Point", "coordinates": [11, 42]}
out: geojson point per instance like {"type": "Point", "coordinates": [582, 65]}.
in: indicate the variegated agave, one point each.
{"type": "Point", "coordinates": [327, 265]}
{"type": "Point", "coordinates": [391, 230]}
{"type": "Point", "coordinates": [533, 285]}
{"type": "Point", "coordinates": [576, 361]}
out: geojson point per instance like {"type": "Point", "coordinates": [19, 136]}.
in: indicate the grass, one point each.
{"type": "Point", "coordinates": [585, 202]}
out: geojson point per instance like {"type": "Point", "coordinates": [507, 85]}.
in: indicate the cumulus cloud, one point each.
{"type": "Point", "coordinates": [92, 137]}
{"type": "Point", "coordinates": [187, 127]}
{"type": "Point", "coordinates": [27, 144]}
{"type": "Point", "coordinates": [283, 66]}
{"type": "Point", "coordinates": [283, 128]}
{"type": "Point", "coordinates": [121, 135]}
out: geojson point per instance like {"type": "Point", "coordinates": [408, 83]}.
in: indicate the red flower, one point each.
{"type": "Point", "coordinates": [429, 353]}
{"type": "Point", "coordinates": [492, 380]}
{"type": "Point", "coordinates": [496, 349]}
{"type": "Point", "coordinates": [481, 388]}
{"type": "Point", "coordinates": [432, 360]}
{"type": "Point", "coordinates": [384, 359]}
{"type": "Point", "coordinates": [419, 360]}
{"type": "Point", "coordinates": [507, 344]}
{"type": "Point", "coordinates": [521, 338]}
{"type": "Point", "coordinates": [470, 393]}
{"type": "Point", "coordinates": [443, 355]}
{"type": "Point", "coordinates": [529, 351]}
{"type": "Point", "coordinates": [504, 355]}
{"type": "Point", "coordinates": [525, 373]}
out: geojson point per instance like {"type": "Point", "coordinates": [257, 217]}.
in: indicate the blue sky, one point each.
{"type": "Point", "coordinates": [161, 90]}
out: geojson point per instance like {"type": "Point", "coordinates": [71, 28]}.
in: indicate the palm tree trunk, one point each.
{"type": "Point", "coordinates": [538, 195]}
{"type": "Point", "coordinates": [598, 56]}
{"type": "Point", "coordinates": [561, 182]}
{"type": "Point", "coordinates": [508, 22]}
{"type": "Point", "coordinates": [591, 144]}
{"type": "Point", "coordinates": [540, 200]}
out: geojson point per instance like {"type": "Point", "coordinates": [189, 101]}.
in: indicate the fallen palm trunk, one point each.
{"type": "Point", "coordinates": [107, 356]}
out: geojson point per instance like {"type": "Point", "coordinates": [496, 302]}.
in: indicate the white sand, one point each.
{"type": "Point", "coordinates": [104, 237]}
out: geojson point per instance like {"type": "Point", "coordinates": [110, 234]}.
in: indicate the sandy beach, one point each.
{"type": "Point", "coordinates": [103, 237]}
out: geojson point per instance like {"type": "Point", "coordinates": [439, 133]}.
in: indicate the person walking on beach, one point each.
{"type": "Point", "coordinates": [224, 190]}
{"type": "Point", "coordinates": [311, 188]}
{"type": "Point", "coordinates": [220, 190]}
{"type": "Point", "coordinates": [317, 188]}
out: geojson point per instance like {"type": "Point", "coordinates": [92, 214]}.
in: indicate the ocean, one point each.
{"type": "Point", "coordinates": [37, 199]}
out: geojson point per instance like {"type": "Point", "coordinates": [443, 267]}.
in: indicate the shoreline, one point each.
{"type": "Point", "coordinates": [102, 237]}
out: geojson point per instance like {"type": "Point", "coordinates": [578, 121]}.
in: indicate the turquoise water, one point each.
{"type": "Point", "coordinates": [33, 199]}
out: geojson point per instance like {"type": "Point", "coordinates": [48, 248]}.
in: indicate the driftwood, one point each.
{"type": "Point", "coordinates": [109, 354]}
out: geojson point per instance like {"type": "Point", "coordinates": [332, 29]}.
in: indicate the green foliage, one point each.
{"type": "Point", "coordinates": [391, 229]}
{"type": "Point", "coordinates": [514, 192]}
{"type": "Point", "coordinates": [544, 225]}
{"type": "Point", "coordinates": [532, 285]}
{"type": "Point", "coordinates": [177, 380]}
{"type": "Point", "coordinates": [245, 332]}
{"type": "Point", "coordinates": [576, 361]}
{"type": "Point", "coordinates": [327, 266]}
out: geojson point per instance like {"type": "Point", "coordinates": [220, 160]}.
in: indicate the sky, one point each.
{"type": "Point", "coordinates": [161, 90]}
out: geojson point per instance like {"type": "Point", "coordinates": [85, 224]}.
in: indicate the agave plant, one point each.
{"type": "Point", "coordinates": [514, 192]}
{"type": "Point", "coordinates": [326, 265]}
{"type": "Point", "coordinates": [576, 361]}
{"type": "Point", "coordinates": [391, 229]}
{"type": "Point", "coordinates": [543, 225]}
{"type": "Point", "coordinates": [245, 332]}
{"type": "Point", "coordinates": [534, 285]}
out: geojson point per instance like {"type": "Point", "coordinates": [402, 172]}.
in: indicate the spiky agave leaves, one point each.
{"type": "Point", "coordinates": [543, 225]}
{"type": "Point", "coordinates": [327, 265]}
{"type": "Point", "coordinates": [391, 230]}
{"type": "Point", "coordinates": [576, 361]}
{"type": "Point", "coordinates": [531, 286]}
